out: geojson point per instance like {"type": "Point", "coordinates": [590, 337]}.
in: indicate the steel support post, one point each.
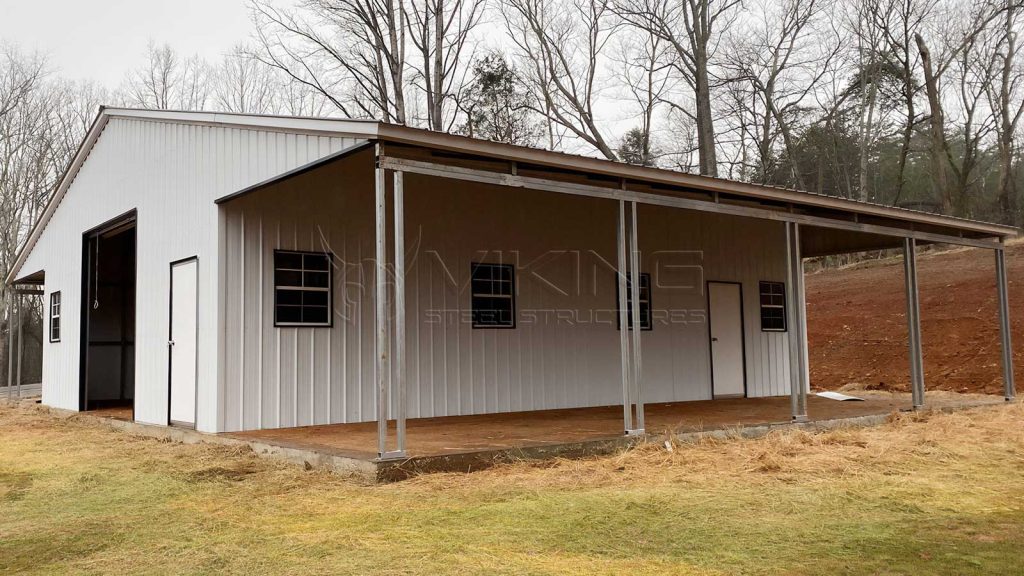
{"type": "Point", "coordinates": [400, 375]}
{"type": "Point", "coordinates": [385, 375]}
{"type": "Point", "coordinates": [21, 346]}
{"type": "Point", "coordinates": [10, 342]}
{"type": "Point", "coordinates": [383, 361]}
{"type": "Point", "coordinates": [913, 323]}
{"type": "Point", "coordinates": [797, 323]}
{"type": "Point", "coordinates": [627, 402]}
{"type": "Point", "coordinates": [801, 309]}
{"type": "Point", "coordinates": [1009, 392]}
{"type": "Point", "coordinates": [634, 291]}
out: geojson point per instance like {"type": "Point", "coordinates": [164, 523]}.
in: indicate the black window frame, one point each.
{"type": "Point", "coordinates": [646, 315]}
{"type": "Point", "coordinates": [303, 289]}
{"type": "Point", "coordinates": [476, 298]}
{"type": "Point", "coordinates": [55, 302]}
{"type": "Point", "coordinates": [766, 289]}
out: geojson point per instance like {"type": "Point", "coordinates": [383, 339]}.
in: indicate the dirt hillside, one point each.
{"type": "Point", "coordinates": [857, 328]}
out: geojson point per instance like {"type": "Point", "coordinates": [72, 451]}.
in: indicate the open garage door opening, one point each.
{"type": "Point", "coordinates": [108, 319]}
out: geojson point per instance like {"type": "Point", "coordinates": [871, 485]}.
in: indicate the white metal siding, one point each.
{"type": "Point", "coordinates": [559, 355]}
{"type": "Point", "coordinates": [170, 173]}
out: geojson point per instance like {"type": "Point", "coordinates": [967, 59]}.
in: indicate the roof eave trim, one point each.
{"type": "Point", "coordinates": [293, 124]}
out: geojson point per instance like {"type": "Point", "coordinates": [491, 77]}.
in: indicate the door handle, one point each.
{"type": "Point", "coordinates": [170, 342]}
{"type": "Point", "coordinates": [713, 339]}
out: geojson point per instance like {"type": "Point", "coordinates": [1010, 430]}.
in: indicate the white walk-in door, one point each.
{"type": "Point", "coordinates": [726, 316]}
{"type": "Point", "coordinates": [182, 343]}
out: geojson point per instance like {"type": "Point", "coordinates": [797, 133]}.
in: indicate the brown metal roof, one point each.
{"type": "Point", "coordinates": [499, 150]}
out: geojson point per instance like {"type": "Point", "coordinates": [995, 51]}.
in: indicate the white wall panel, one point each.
{"type": "Point", "coordinates": [564, 351]}
{"type": "Point", "coordinates": [170, 173]}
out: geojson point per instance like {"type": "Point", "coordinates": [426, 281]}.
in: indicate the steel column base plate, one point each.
{"type": "Point", "coordinates": [393, 455]}
{"type": "Point", "coordinates": [637, 432]}
{"type": "Point", "coordinates": [801, 418]}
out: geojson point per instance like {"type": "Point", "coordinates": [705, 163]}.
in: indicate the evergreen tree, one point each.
{"type": "Point", "coordinates": [497, 106]}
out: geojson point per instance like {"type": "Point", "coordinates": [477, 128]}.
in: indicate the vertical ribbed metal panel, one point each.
{"type": "Point", "coordinates": [170, 173]}
{"type": "Point", "coordinates": [564, 351]}
{"type": "Point", "coordinates": [301, 376]}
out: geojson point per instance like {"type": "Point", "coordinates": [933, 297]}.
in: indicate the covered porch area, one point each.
{"type": "Point", "coordinates": [411, 209]}
{"type": "Point", "coordinates": [814, 227]}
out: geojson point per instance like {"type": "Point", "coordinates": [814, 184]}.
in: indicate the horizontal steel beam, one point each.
{"type": "Point", "coordinates": [544, 184]}
{"type": "Point", "coordinates": [403, 135]}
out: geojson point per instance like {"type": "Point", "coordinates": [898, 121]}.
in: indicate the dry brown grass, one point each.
{"type": "Point", "coordinates": [924, 493]}
{"type": "Point", "coordinates": [780, 455]}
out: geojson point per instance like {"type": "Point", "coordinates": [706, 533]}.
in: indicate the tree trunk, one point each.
{"type": "Point", "coordinates": [1007, 188]}
{"type": "Point", "coordinates": [866, 130]}
{"type": "Point", "coordinates": [1009, 114]}
{"type": "Point", "coordinates": [396, 35]}
{"type": "Point", "coordinates": [937, 131]}
{"type": "Point", "coordinates": [438, 104]}
{"type": "Point", "coordinates": [705, 121]}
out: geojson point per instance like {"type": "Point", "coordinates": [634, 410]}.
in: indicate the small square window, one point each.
{"type": "Point", "coordinates": [645, 302]}
{"type": "Point", "coordinates": [55, 317]}
{"type": "Point", "coordinates": [493, 295]}
{"type": "Point", "coordinates": [773, 306]}
{"type": "Point", "coordinates": [302, 288]}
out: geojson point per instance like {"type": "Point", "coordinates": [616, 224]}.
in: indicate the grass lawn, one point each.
{"type": "Point", "coordinates": [924, 494]}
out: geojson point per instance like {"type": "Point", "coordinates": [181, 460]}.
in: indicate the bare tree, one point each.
{"type": "Point", "coordinates": [896, 21]}
{"type": "Point", "coordinates": [42, 121]}
{"type": "Point", "coordinates": [244, 84]}
{"type": "Point", "coordinates": [197, 76]}
{"type": "Point", "coordinates": [297, 99]}
{"type": "Point", "coordinates": [560, 44]}
{"type": "Point", "coordinates": [956, 38]}
{"type": "Point", "coordinates": [781, 57]}
{"type": "Point", "coordinates": [644, 76]}
{"type": "Point", "coordinates": [350, 51]}
{"type": "Point", "coordinates": [1005, 94]}
{"type": "Point", "coordinates": [871, 68]}
{"type": "Point", "coordinates": [691, 30]}
{"type": "Point", "coordinates": [972, 71]}
{"type": "Point", "coordinates": [168, 82]}
{"type": "Point", "coordinates": [440, 32]}
{"type": "Point", "coordinates": [154, 84]}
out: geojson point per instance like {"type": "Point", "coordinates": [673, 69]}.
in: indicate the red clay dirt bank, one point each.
{"type": "Point", "coordinates": [857, 331]}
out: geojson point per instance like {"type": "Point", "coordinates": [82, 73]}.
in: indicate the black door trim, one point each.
{"type": "Point", "coordinates": [170, 334]}
{"type": "Point", "coordinates": [743, 335]}
{"type": "Point", "coordinates": [123, 220]}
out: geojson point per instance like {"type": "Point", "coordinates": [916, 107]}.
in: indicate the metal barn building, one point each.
{"type": "Point", "coordinates": [238, 272]}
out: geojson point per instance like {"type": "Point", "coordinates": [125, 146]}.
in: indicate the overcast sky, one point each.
{"type": "Point", "coordinates": [102, 39]}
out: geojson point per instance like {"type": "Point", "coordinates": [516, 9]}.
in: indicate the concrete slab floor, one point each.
{"type": "Point", "coordinates": [115, 412]}
{"type": "Point", "coordinates": [468, 443]}
{"type": "Point", "coordinates": [455, 435]}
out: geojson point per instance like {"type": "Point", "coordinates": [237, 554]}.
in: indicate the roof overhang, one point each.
{"type": "Point", "coordinates": [834, 225]}
{"type": "Point", "coordinates": [618, 171]}
{"type": "Point", "coordinates": [36, 278]}
{"type": "Point", "coordinates": [326, 160]}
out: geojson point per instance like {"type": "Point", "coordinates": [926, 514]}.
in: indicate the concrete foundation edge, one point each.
{"type": "Point", "coordinates": [373, 471]}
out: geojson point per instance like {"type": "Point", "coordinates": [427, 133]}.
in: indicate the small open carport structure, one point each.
{"type": "Point", "coordinates": [20, 300]}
